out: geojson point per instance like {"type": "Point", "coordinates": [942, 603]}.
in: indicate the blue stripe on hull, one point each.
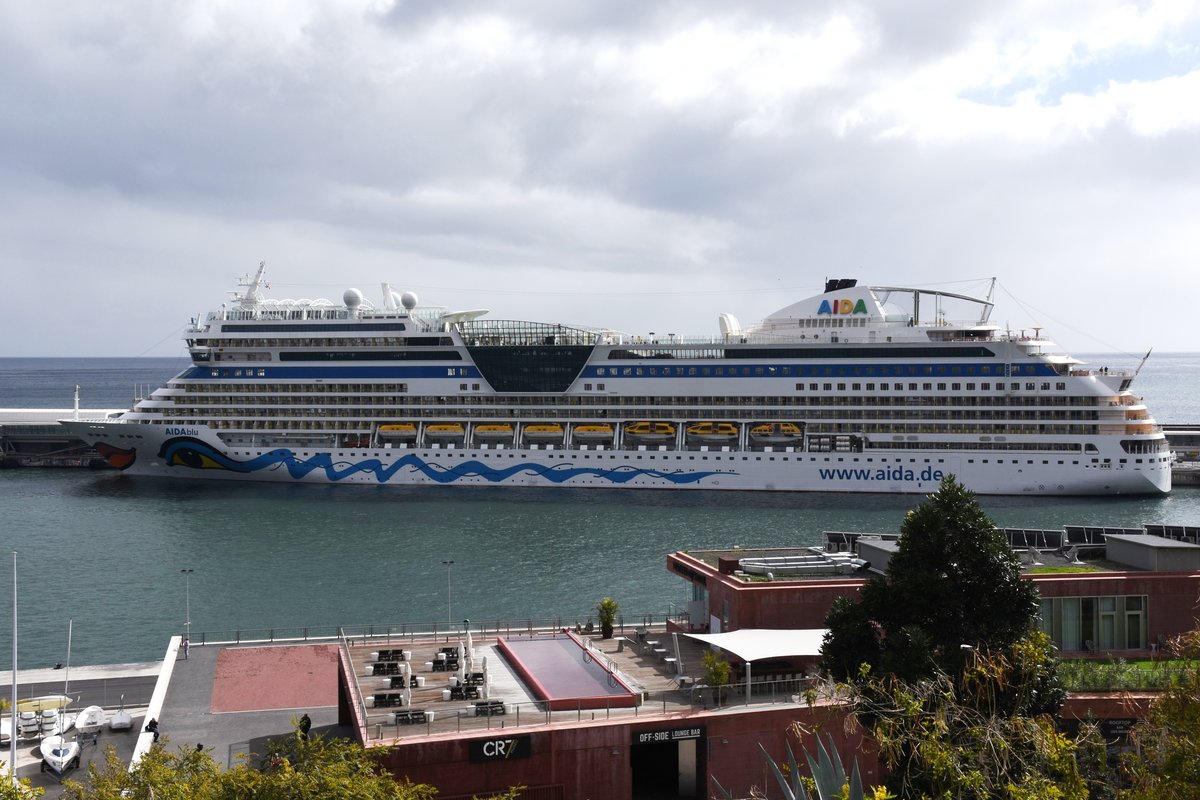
{"type": "Point", "coordinates": [195, 454]}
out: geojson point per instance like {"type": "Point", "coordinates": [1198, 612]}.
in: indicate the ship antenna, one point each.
{"type": "Point", "coordinates": [986, 312]}
{"type": "Point", "coordinates": [252, 296]}
{"type": "Point", "coordinates": [1144, 359]}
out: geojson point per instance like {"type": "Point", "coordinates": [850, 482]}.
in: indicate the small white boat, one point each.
{"type": "Point", "coordinates": [59, 755]}
{"type": "Point", "coordinates": [28, 724]}
{"type": "Point", "coordinates": [90, 720]}
{"type": "Point", "coordinates": [121, 720]}
{"type": "Point", "coordinates": [55, 722]}
{"type": "Point", "coordinates": [44, 702]}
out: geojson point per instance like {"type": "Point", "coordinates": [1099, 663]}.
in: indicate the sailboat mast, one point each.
{"type": "Point", "coordinates": [67, 675]}
{"type": "Point", "coordinates": [12, 733]}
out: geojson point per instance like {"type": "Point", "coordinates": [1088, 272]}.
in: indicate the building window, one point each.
{"type": "Point", "coordinates": [1094, 623]}
{"type": "Point", "coordinates": [1106, 631]}
{"type": "Point", "coordinates": [1135, 623]}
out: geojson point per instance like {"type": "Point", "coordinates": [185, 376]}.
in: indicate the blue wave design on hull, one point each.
{"type": "Point", "coordinates": [195, 454]}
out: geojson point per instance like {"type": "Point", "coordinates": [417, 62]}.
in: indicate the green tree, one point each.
{"type": "Point", "coordinates": [953, 587]}
{"type": "Point", "coordinates": [295, 767]}
{"type": "Point", "coordinates": [1167, 763]}
{"type": "Point", "coordinates": [946, 737]}
{"type": "Point", "coordinates": [606, 611]}
{"type": "Point", "coordinates": [945, 668]}
{"type": "Point", "coordinates": [21, 790]}
{"type": "Point", "coordinates": [716, 673]}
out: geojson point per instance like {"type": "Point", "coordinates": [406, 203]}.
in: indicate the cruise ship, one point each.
{"type": "Point", "coordinates": [858, 389]}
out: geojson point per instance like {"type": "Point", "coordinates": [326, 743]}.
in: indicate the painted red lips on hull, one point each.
{"type": "Point", "coordinates": [116, 456]}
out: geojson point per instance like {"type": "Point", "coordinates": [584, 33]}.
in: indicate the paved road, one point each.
{"type": "Point", "coordinates": [105, 692]}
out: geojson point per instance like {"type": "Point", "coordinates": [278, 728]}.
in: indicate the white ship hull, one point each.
{"type": "Point", "coordinates": [847, 391]}
{"type": "Point", "coordinates": [199, 454]}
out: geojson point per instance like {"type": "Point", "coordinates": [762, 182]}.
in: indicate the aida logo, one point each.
{"type": "Point", "coordinates": [845, 306]}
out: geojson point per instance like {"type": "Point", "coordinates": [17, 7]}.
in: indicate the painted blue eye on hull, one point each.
{"type": "Point", "coordinates": [193, 453]}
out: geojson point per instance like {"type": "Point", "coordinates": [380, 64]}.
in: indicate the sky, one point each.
{"type": "Point", "coordinates": [622, 164]}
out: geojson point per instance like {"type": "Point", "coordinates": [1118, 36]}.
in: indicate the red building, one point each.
{"type": "Point", "coordinates": [675, 742]}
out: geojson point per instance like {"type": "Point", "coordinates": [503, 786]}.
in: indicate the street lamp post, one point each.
{"type": "Point", "coordinates": [449, 610]}
{"type": "Point", "coordinates": [187, 603]}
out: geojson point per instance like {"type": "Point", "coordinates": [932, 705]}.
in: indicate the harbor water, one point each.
{"type": "Point", "coordinates": [105, 551]}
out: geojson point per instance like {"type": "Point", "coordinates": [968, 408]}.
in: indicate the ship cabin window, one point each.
{"type": "Point", "coordinates": [870, 387]}
{"type": "Point", "coordinates": [912, 387]}
{"type": "Point", "coordinates": [1062, 387]}
{"type": "Point", "coordinates": [856, 387]}
{"type": "Point", "coordinates": [600, 387]}
{"type": "Point", "coordinates": [829, 387]}
{"type": "Point", "coordinates": [812, 387]}
{"type": "Point", "coordinates": [956, 387]}
{"type": "Point", "coordinates": [841, 387]}
{"type": "Point", "coordinates": [971, 387]}
{"type": "Point", "coordinates": [1029, 387]}
{"type": "Point", "coordinates": [1045, 387]}
{"type": "Point", "coordinates": [927, 386]}
{"type": "Point", "coordinates": [941, 387]}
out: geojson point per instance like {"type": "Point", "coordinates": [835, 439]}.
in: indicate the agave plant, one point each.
{"type": "Point", "coordinates": [827, 771]}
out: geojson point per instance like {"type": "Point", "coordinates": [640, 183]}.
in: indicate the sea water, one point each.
{"type": "Point", "coordinates": [105, 551]}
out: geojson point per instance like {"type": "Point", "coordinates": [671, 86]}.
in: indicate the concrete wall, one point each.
{"type": "Point", "coordinates": [780, 604]}
{"type": "Point", "coordinates": [596, 760]}
{"type": "Point", "coordinates": [1153, 552]}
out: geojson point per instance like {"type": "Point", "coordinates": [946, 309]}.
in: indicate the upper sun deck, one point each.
{"type": "Point", "coordinates": [845, 314]}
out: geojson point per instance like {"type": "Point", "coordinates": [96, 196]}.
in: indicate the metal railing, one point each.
{"type": "Point", "coordinates": [458, 717]}
{"type": "Point", "coordinates": [393, 633]}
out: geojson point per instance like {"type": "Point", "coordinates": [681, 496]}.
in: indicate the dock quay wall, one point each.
{"type": "Point", "coordinates": [32, 437]}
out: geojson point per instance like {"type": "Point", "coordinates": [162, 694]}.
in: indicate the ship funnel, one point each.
{"type": "Point", "coordinates": [837, 284]}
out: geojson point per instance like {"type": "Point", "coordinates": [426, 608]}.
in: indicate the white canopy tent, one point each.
{"type": "Point", "coordinates": [756, 644]}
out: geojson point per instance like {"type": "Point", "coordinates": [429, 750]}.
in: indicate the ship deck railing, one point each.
{"type": "Point", "coordinates": [389, 634]}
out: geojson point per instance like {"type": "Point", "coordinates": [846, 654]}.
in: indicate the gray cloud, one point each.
{"type": "Point", "coordinates": [642, 166]}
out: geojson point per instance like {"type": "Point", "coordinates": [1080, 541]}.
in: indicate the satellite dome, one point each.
{"type": "Point", "coordinates": [352, 298]}
{"type": "Point", "coordinates": [409, 300]}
